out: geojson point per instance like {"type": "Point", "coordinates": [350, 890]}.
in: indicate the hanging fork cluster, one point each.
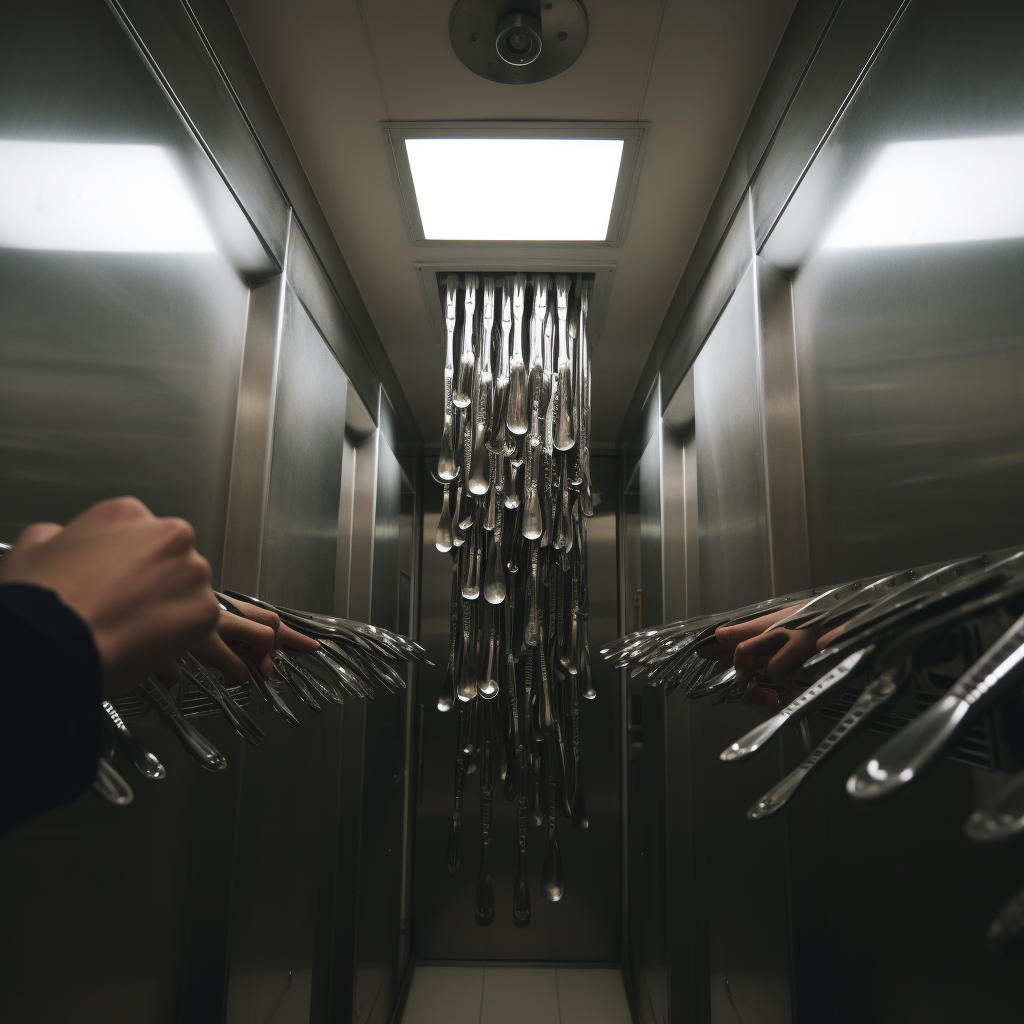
{"type": "Point", "coordinates": [515, 466]}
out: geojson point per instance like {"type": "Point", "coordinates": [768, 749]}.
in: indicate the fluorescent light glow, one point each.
{"type": "Point", "coordinates": [515, 190]}
{"type": "Point", "coordinates": [96, 197]}
{"type": "Point", "coordinates": [936, 191]}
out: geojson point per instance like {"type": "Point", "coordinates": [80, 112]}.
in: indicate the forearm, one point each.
{"type": "Point", "coordinates": [51, 687]}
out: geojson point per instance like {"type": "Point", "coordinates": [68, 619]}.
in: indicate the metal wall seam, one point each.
{"type": "Point", "coordinates": [730, 263]}
{"type": "Point", "coordinates": [310, 283]}
{"type": "Point", "coordinates": [223, 41]}
{"type": "Point", "coordinates": [170, 45]}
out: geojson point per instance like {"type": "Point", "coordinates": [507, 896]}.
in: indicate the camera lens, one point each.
{"type": "Point", "coordinates": [518, 38]}
{"type": "Point", "coordinates": [518, 42]}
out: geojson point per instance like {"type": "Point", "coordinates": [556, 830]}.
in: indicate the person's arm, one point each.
{"type": "Point", "coordinates": [86, 613]}
{"type": "Point", "coordinates": [51, 687]}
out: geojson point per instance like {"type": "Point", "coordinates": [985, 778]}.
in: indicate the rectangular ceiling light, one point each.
{"type": "Point", "coordinates": [541, 190]}
{"type": "Point", "coordinates": [96, 197]}
{"type": "Point", "coordinates": [523, 183]}
{"type": "Point", "coordinates": [936, 191]}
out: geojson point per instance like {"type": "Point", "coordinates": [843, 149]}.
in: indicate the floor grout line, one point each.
{"type": "Point", "coordinates": [558, 997]}
{"type": "Point", "coordinates": [483, 985]}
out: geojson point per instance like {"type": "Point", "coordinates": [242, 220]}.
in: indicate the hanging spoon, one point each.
{"type": "Point", "coordinates": [463, 394]}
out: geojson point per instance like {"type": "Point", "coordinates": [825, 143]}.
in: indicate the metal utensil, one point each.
{"type": "Point", "coordinates": [463, 393]}
{"type": "Point", "coordinates": [910, 751]}
{"type": "Point", "coordinates": [443, 540]}
{"type": "Point", "coordinates": [876, 694]}
{"type": "Point", "coordinates": [1001, 818]}
{"type": "Point", "coordinates": [564, 429]}
{"type": "Point", "coordinates": [142, 760]}
{"type": "Point", "coordinates": [205, 681]}
{"type": "Point", "coordinates": [110, 784]}
{"type": "Point", "coordinates": [829, 685]}
{"type": "Point", "coordinates": [157, 697]}
{"type": "Point", "coordinates": [447, 467]}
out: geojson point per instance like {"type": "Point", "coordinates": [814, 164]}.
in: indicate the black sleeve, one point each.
{"type": "Point", "coordinates": [50, 715]}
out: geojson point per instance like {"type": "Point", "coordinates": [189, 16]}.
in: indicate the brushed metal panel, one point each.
{"type": "Point", "coordinates": [286, 854]}
{"type": "Point", "coordinates": [722, 277]}
{"type": "Point", "coordinates": [810, 19]}
{"type": "Point", "coordinates": [315, 291]}
{"type": "Point", "coordinates": [301, 537]}
{"type": "Point", "coordinates": [910, 357]}
{"type": "Point", "coordinates": [652, 570]}
{"type": "Point", "coordinates": [254, 438]}
{"type": "Point", "coordinates": [783, 443]}
{"type": "Point", "coordinates": [733, 522]}
{"type": "Point", "coordinates": [851, 43]}
{"type": "Point", "coordinates": [221, 35]}
{"type": "Point", "coordinates": [168, 38]}
{"type": "Point", "coordinates": [120, 371]}
{"type": "Point", "coordinates": [679, 504]}
{"type": "Point", "coordinates": [586, 924]}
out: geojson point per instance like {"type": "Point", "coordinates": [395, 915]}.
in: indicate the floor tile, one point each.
{"type": "Point", "coordinates": [444, 995]}
{"type": "Point", "coordinates": [519, 995]}
{"type": "Point", "coordinates": [592, 995]}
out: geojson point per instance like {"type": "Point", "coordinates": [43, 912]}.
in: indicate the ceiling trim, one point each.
{"type": "Point", "coordinates": [634, 134]}
{"type": "Point", "coordinates": [602, 274]}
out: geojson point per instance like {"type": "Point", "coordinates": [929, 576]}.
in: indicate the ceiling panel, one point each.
{"type": "Point", "coordinates": [336, 68]}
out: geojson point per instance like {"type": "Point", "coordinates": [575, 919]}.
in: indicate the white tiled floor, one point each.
{"type": "Point", "coordinates": [516, 995]}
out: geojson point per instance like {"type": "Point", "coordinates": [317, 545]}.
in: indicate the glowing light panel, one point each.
{"type": "Point", "coordinates": [936, 191]}
{"type": "Point", "coordinates": [96, 197]}
{"type": "Point", "coordinates": [515, 189]}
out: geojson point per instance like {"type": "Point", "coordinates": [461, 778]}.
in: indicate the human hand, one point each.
{"type": "Point", "coordinates": [778, 653]}
{"type": "Point", "coordinates": [135, 579]}
{"type": "Point", "coordinates": [250, 637]}
{"type": "Point", "coordinates": [731, 636]}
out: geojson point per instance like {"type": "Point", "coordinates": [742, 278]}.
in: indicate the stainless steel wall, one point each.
{"type": "Point", "coordinates": [118, 374]}
{"type": "Point", "coordinates": [908, 358]}
{"type": "Point", "coordinates": [286, 820]}
{"type": "Point", "coordinates": [585, 925]}
{"type": "Point", "coordinates": [211, 385]}
{"type": "Point", "coordinates": [300, 543]}
{"type": "Point", "coordinates": [910, 354]}
{"type": "Point", "coordinates": [855, 411]}
{"type": "Point", "coordinates": [731, 488]}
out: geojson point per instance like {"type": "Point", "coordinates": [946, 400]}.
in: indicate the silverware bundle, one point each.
{"type": "Point", "coordinates": [353, 659]}
{"type": "Point", "coordinates": [889, 627]}
{"type": "Point", "coordinates": [515, 467]}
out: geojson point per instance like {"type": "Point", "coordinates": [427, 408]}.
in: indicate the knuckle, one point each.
{"type": "Point", "coordinates": [125, 507]}
{"type": "Point", "coordinates": [178, 533]}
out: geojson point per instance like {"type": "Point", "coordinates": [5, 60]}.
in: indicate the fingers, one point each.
{"type": "Point", "coordinates": [714, 652]}
{"type": "Point", "coordinates": [799, 646]}
{"type": "Point", "coordinates": [214, 653]}
{"type": "Point", "coordinates": [752, 654]}
{"type": "Point", "coordinates": [292, 638]}
{"type": "Point", "coordinates": [284, 635]}
{"type": "Point", "coordinates": [830, 637]}
{"type": "Point", "coordinates": [730, 636]}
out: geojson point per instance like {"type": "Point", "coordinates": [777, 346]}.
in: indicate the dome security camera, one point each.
{"type": "Point", "coordinates": [518, 39]}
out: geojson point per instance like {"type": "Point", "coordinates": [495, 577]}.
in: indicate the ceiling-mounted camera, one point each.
{"type": "Point", "coordinates": [519, 38]}
{"type": "Point", "coordinates": [518, 42]}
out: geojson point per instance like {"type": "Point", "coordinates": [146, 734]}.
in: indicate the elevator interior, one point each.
{"type": "Point", "coordinates": [808, 351]}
